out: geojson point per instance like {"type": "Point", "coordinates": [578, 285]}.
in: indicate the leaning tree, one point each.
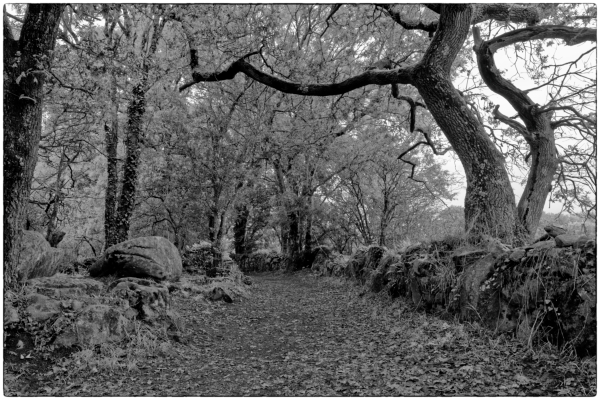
{"type": "Point", "coordinates": [490, 206]}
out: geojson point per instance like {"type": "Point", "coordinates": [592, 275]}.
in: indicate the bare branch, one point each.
{"type": "Point", "coordinates": [13, 17]}
{"type": "Point", "coordinates": [334, 9]}
{"type": "Point", "coordinates": [512, 123]}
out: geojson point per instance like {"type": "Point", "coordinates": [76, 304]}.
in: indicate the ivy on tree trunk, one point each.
{"type": "Point", "coordinates": [135, 111]}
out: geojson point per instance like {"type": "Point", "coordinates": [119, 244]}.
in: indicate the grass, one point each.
{"type": "Point", "coordinates": [143, 342]}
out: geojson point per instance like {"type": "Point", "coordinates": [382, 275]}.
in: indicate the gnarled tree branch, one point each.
{"type": "Point", "coordinates": [396, 16]}
{"type": "Point", "coordinates": [571, 36]}
{"type": "Point", "coordinates": [372, 77]}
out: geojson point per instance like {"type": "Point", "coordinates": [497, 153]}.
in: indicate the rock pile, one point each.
{"type": "Point", "coordinates": [203, 259]}
{"type": "Point", "coordinates": [262, 262]}
{"type": "Point", "coordinates": [65, 310]}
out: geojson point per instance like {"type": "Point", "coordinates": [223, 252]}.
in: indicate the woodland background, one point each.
{"type": "Point", "coordinates": [125, 153]}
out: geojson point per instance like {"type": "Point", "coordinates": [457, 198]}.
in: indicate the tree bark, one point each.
{"type": "Point", "coordinates": [112, 138]}
{"type": "Point", "coordinates": [239, 229]}
{"type": "Point", "coordinates": [294, 246]}
{"type": "Point", "coordinates": [51, 236]}
{"type": "Point", "coordinates": [23, 96]}
{"type": "Point", "coordinates": [489, 202]}
{"type": "Point", "coordinates": [136, 110]}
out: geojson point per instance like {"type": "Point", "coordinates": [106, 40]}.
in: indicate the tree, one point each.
{"type": "Point", "coordinates": [385, 197]}
{"type": "Point", "coordinates": [490, 206]}
{"type": "Point", "coordinates": [26, 61]}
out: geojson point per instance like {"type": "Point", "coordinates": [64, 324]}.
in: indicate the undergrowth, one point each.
{"type": "Point", "coordinates": [142, 342]}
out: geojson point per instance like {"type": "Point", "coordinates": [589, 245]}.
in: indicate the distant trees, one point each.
{"type": "Point", "coordinates": [382, 202]}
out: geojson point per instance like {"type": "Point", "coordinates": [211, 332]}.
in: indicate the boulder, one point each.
{"type": "Point", "coordinates": [143, 257]}
{"type": "Point", "coordinates": [96, 324]}
{"type": "Point", "coordinates": [42, 307]}
{"type": "Point", "coordinates": [36, 257]}
{"type": "Point", "coordinates": [567, 240]}
{"type": "Point", "coordinates": [147, 299]}
{"type": "Point", "coordinates": [555, 230]}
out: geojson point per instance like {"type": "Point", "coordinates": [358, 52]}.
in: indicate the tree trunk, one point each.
{"type": "Point", "coordinates": [537, 132]}
{"type": "Point", "coordinates": [544, 162]}
{"type": "Point", "coordinates": [489, 203]}
{"type": "Point", "coordinates": [239, 229]}
{"type": "Point", "coordinates": [212, 220]}
{"type": "Point", "coordinates": [23, 97]}
{"type": "Point", "coordinates": [52, 236]}
{"type": "Point", "coordinates": [110, 203]}
{"type": "Point", "coordinates": [136, 111]}
{"type": "Point", "coordinates": [294, 246]}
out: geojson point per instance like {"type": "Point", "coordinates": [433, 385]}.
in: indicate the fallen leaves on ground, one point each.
{"type": "Point", "coordinates": [298, 335]}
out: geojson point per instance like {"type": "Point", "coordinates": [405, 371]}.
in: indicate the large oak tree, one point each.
{"type": "Point", "coordinates": [490, 206]}
{"type": "Point", "coordinates": [26, 61]}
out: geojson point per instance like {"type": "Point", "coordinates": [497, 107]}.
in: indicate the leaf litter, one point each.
{"type": "Point", "coordinates": [299, 335]}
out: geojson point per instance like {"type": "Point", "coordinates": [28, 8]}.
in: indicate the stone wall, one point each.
{"type": "Point", "coordinates": [540, 292]}
{"type": "Point", "coordinates": [261, 261]}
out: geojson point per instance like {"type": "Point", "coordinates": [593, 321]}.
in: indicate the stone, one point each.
{"type": "Point", "coordinates": [555, 230]}
{"type": "Point", "coordinates": [466, 256]}
{"type": "Point", "coordinates": [36, 257]}
{"type": "Point", "coordinates": [96, 324]}
{"type": "Point", "coordinates": [42, 307]}
{"type": "Point", "coordinates": [55, 238]}
{"type": "Point", "coordinates": [546, 244]}
{"type": "Point", "coordinates": [567, 240]}
{"type": "Point", "coordinates": [517, 254]}
{"type": "Point", "coordinates": [11, 314]}
{"type": "Point", "coordinates": [422, 267]}
{"type": "Point", "coordinates": [473, 276]}
{"type": "Point", "coordinates": [494, 245]}
{"type": "Point", "coordinates": [219, 294]}
{"type": "Point", "coordinates": [144, 257]}
{"type": "Point", "coordinates": [65, 286]}
{"type": "Point", "coordinates": [149, 299]}
{"type": "Point", "coordinates": [198, 258]}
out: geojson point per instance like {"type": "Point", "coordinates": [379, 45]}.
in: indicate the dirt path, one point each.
{"type": "Point", "coordinates": [303, 336]}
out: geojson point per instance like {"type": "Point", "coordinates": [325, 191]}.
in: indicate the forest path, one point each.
{"type": "Point", "coordinates": [306, 336]}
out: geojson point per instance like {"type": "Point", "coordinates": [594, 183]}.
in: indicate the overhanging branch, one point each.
{"type": "Point", "coordinates": [371, 77]}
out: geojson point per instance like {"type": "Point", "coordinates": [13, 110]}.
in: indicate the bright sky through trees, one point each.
{"type": "Point", "coordinates": [512, 68]}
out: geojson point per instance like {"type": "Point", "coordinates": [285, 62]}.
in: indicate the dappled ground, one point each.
{"type": "Point", "coordinates": [307, 336]}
